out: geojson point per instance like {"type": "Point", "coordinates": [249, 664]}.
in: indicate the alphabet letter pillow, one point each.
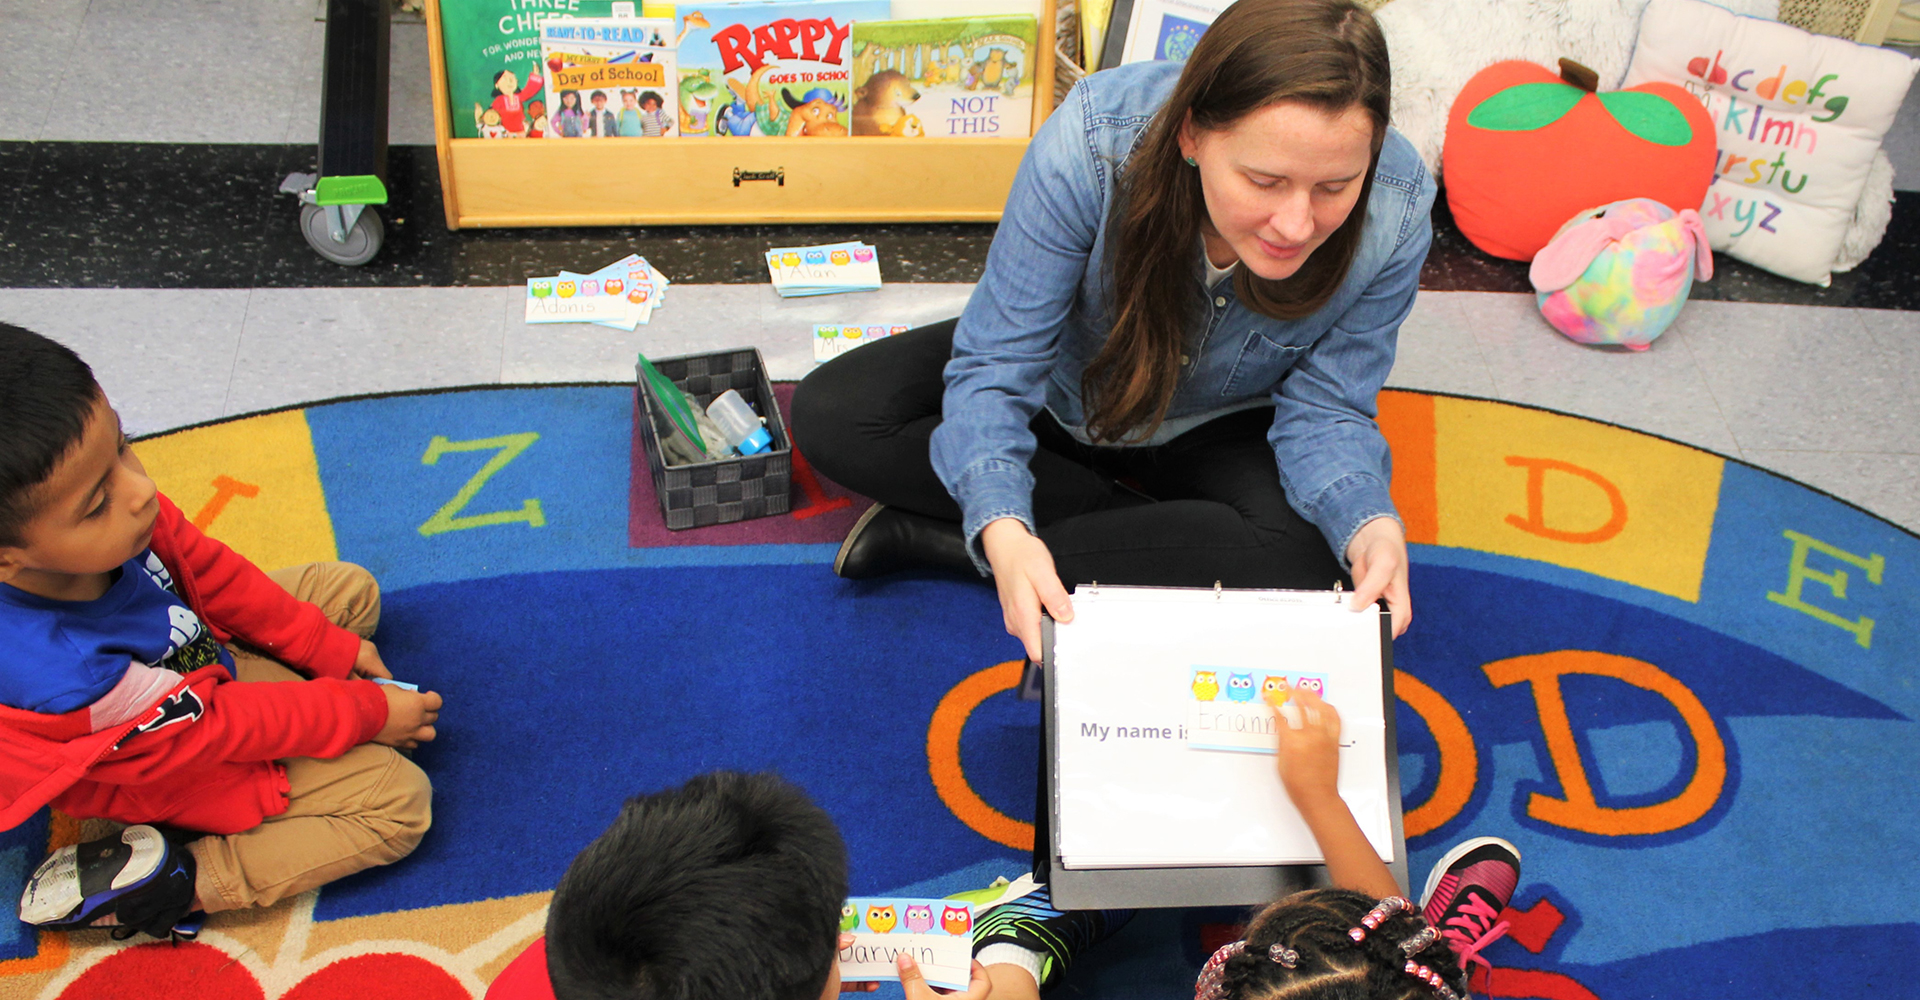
{"type": "Point", "coordinates": [1798, 118]}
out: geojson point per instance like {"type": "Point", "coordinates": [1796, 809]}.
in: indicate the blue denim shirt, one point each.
{"type": "Point", "coordinates": [1034, 322]}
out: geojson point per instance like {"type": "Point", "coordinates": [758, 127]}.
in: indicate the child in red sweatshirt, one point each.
{"type": "Point", "coordinates": [121, 699]}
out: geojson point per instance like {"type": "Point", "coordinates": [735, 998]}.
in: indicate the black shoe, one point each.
{"type": "Point", "coordinates": [887, 540]}
{"type": "Point", "coordinates": [136, 876]}
{"type": "Point", "coordinates": [1058, 937]}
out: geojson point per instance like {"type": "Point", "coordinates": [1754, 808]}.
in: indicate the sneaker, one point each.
{"type": "Point", "coordinates": [134, 879]}
{"type": "Point", "coordinates": [1029, 921]}
{"type": "Point", "coordinates": [1465, 893]}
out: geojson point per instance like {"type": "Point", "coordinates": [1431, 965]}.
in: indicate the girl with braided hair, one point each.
{"type": "Point", "coordinates": [1360, 939]}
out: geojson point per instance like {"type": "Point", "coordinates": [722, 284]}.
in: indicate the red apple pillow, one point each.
{"type": "Point", "coordinates": [1527, 150]}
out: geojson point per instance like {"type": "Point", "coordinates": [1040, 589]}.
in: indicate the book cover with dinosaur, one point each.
{"type": "Point", "coordinates": [769, 68]}
{"type": "Point", "coordinates": [958, 77]}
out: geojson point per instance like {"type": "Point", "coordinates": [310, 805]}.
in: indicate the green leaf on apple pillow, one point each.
{"type": "Point", "coordinates": [1525, 107]}
{"type": "Point", "coordinates": [1649, 116]}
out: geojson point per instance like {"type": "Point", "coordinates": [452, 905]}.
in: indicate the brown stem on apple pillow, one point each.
{"type": "Point", "coordinates": [1579, 75]}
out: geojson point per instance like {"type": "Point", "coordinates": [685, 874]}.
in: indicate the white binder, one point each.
{"type": "Point", "coordinates": [1162, 787]}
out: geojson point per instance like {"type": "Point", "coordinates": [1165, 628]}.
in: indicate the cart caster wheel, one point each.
{"type": "Point", "coordinates": [363, 237]}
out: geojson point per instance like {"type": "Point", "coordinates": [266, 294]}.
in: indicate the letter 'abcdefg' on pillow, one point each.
{"type": "Point", "coordinates": [1798, 118]}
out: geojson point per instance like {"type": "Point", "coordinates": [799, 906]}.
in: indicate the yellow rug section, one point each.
{"type": "Point", "coordinates": [253, 484]}
{"type": "Point", "coordinates": [1574, 493]}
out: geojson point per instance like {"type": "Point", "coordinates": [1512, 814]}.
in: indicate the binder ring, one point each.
{"type": "Point", "coordinates": [1216, 590]}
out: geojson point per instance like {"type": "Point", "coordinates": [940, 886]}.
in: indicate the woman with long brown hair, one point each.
{"type": "Point", "coordinates": [1167, 373]}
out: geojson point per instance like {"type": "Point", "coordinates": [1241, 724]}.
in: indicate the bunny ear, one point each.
{"type": "Point", "coordinates": [1562, 262]}
{"type": "Point", "coordinates": [1702, 250]}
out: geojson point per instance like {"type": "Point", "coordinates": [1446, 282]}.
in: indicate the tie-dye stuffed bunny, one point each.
{"type": "Point", "coordinates": [1620, 273]}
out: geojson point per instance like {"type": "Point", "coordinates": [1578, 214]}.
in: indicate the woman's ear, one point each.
{"type": "Point", "coordinates": [1189, 147]}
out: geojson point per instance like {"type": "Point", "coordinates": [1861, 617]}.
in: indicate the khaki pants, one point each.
{"type": "Point", "coordinates": [368, 807]}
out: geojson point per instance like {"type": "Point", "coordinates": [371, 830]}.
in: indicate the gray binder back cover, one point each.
{"type": "Point", "coordinates": [1216, 885]}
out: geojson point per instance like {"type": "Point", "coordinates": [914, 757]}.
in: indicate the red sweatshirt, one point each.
{"type": "Point", "coordinates": [204, 757]}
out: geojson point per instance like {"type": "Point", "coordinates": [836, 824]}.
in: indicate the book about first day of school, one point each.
{"type": "Point", "coordinates": [609, 77]}
{"type": "Point", "coordinates": [757, 69]}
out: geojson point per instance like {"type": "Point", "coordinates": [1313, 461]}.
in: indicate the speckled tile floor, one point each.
{"type": "Point", "coordinates": [157, 246]}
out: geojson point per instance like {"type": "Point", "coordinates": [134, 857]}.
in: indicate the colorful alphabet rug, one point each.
{"type": "Point", "coordinates": [1683, 686]}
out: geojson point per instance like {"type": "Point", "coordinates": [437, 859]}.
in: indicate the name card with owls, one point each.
{"type": "Point", "coordinates": [937, 933]}
{"type": "Point", "coordinates": [1229, 710]}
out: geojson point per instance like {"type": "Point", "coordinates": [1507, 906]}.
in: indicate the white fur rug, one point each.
{"type": "Point", "coordinates": [1437, 45]}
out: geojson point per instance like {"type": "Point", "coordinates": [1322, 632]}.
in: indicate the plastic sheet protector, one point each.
{"type": "Point", "coordinates": [1164, 738]}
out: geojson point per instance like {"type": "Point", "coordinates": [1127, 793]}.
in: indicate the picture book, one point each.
{"type": "Point", "coordinates": [609, 77]}
{"type": "Point", "coordinates": [952, 77]}
{"type": "Point", "coordinates": [493, 64]}
{"type": "Point", "coordinates": [832, 340]}
{"type": "Point", "coordinates": [937, 933]}
{"type": "Point", "coordinates": [769, 68]}
{"type": "Point", "coordinates": [1168, 29]}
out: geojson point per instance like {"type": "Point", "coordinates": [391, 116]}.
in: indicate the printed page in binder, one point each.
{"type": "Point", "coordinates": [1165, 737]}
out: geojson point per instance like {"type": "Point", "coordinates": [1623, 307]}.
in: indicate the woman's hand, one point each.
{"type": "Point", "coordinates": [1378, 554]}
{"type": "Point", "coordinates": [1023, 573]}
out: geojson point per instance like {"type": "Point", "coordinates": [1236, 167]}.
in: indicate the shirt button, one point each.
{"type": "Point", "coordinates": [1220, 300]}
{"type": "Point", "coordinates": [1184, 360]}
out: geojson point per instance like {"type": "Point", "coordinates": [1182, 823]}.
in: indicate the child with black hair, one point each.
{"type": "Point", "coordinates": [121, 700]}
{"type": "Point", "coordinates": [1360, 939]}
{"type": "Point", "coordinates": [731, 886]}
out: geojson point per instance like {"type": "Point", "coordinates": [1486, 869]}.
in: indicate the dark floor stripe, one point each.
{"type": "Point", "coordinates": [163, 215]}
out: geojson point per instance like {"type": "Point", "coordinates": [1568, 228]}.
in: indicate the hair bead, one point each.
{"type": "Point", "coordinates": [1378, 915]}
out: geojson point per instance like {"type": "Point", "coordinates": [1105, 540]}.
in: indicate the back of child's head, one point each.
{"type": "Point", "coordinates": [47, 395]}
{"type": "Point", "coordinates": [728, 886]}
{"type": "Point", "coordinates": [1327, 964]}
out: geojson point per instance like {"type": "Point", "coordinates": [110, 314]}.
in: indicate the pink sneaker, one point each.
{"type": "Point", "coordinates": [1465, 893]}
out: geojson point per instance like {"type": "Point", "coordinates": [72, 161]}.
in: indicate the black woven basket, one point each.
{"type": "Point", "coordinates": [725, 489]}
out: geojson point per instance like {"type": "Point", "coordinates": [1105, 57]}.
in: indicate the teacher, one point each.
{"type": "Point", "coordinates": [1166, 375]}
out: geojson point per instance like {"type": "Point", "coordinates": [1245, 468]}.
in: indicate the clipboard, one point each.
{"type": "Point", "coordinates": [1191, 885]}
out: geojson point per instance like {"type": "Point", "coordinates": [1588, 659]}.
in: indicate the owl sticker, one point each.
{"type": "Point", "coordinates": [1206, 684]}
{"type": "Point", "coordinates": [863, 255]}
{"type": "Point", "coordinates": [541, 289]}
{"type": "Point", "coordinates": [614, 286]}
{"type": "Point", "coordinates": [876, 332]}
{"type": "Point", "coordinates": [790, 259]}
{"type": "Point", "coordinates": [1240, 687]}
{"type": "Point", "coordinates": [849, 917]}
{"type": "Point", "coordinates": [880, 919]}
{"type": "Point", "coordinates": [919, 918]}
{"type": "Point", "coordinates": [1273, 690]}
{"type": "Point", "coordinates": [1314, 684]}
{"type": "Point", "coordinates": [589, 287]}
{"type": "Point", "coordinates": [841, 257]}
{"type": "Point", "coordinates": [816, 256]}
{"type": "Point", "coordinates": [850, 332]}
{"type": "Point", "coordinates": [567, 289]}
{"type": "Point", "coordinates": [956, 920]}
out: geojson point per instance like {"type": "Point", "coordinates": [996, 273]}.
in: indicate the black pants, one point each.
{"type": "Point", "coordinates": [1205, 506]}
